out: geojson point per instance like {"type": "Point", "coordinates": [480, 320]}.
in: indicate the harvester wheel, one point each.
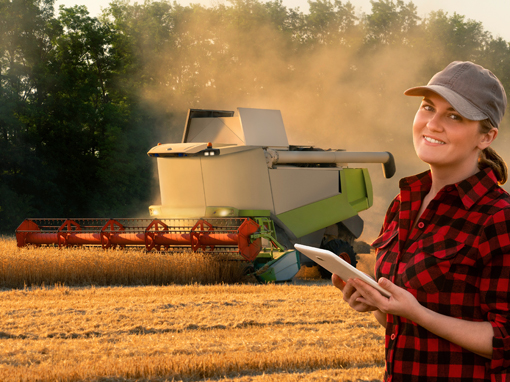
{"type": "Point", "coordinates": [340, 248]}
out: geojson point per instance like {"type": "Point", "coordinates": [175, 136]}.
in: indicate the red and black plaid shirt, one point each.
{"type": "Point", "coordinates": [456, 261]}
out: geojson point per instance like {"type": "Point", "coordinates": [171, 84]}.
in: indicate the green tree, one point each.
{"type": "Point", "coordinates": [331, 23]}
{"type": "Point", "coordinates": [390, 22]}
{"type": "Point", "coordinates": [450, 38]}
{"type": "Point", "coordinates": [68, 135]}
{"type": "Point", "coordinates": [25, 30]}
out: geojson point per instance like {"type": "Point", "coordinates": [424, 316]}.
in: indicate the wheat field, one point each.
{"type": "Point", "coordinates": [227, 332]}
{"type": "Point", "coordinates": [83, 266]}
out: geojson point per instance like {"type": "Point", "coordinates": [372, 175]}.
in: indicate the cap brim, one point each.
{"type": "Point", "coordinates": [459, 103]}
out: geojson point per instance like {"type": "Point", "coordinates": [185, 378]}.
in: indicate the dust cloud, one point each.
{"type": "Point", "coordinates": [336, 95]}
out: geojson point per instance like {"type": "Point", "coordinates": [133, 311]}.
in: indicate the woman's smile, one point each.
{"type": "Point", "coordinates": [433, 140]}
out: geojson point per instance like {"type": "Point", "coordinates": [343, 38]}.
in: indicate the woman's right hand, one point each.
{"type": "Point", "coordinates": [351, 295]}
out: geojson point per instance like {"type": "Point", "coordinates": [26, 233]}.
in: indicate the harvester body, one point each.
{"type": "Point", "coordinates": [240, 187]}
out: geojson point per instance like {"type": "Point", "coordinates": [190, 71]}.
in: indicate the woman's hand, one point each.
{"type": "Point", "coordinates": [351, 295]}
{"type": "Point", "coordinates": [363, 298]}
{"type": "Point", "coordinates": [401, 303]}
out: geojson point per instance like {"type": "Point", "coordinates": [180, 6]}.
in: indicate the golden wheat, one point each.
{"type": "Point", "coordinates": [235, 332]}
{"type": "Point", "coordinates": [230, 332]}
{"type": "Point", "coordinates": [36, 266]}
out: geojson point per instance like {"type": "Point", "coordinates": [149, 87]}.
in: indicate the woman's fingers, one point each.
{"type": "Point", "coordinates": [370, 296]}
{"type": "Point", "coordinates": [350, 294]}
{"type": "Point", "coordinates": [363, 298]}
{"type": "Point", "coordinates": [401, 303]}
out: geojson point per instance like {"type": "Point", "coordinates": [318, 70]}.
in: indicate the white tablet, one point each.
{"type": "Point", "coordinates": [338, 266]}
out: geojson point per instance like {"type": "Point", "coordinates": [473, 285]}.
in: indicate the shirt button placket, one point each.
{"type": "Point", "coordinates": [391, 352]}
{"type": "Point", "coordinates": [394, 334]}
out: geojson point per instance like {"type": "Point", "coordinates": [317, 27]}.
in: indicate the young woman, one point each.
{"type": "Point", "coordinates": [444, 248]}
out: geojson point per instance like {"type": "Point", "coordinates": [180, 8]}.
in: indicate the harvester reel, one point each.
{"type": "Point", "coordinates": [151, 231]}
{"type": "Point", "coordinates": [196, 235]}
{"type": "Point", "coordinates": [226, 235]}
{"type": "Point", "coordinates": [64, 230]}
{"type": "Point", "coordinates": [106, 231]}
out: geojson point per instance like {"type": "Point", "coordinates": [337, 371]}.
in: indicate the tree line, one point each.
{"type": "Point", "coordinates": [82, 99]}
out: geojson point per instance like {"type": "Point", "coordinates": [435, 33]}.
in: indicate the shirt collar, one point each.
{"type": "Point", "coordinates": [470, 190]}
{"type": "Point", "coordinates": [422, 181]}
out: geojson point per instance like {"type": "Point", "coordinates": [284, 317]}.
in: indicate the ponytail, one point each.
{"type": "Point", "coordinates": [490, 158]}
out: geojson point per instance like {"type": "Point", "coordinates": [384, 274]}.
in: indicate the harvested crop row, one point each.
{"type": "Point", "coordinates": [185, 333]}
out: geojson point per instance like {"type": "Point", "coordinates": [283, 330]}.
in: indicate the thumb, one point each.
{"type": "Point", "coordinates": [386, 284]}
{"type": "Point", "coordinates": [337, 282]}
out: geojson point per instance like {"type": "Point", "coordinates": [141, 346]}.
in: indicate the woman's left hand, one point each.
{"type": "Point", "coordinates": [351, 295]}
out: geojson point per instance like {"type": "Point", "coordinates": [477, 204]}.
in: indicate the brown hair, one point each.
{"type": "Point", "coordinates": [490, 158]}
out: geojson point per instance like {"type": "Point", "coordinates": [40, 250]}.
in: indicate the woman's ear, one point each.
{"type": "Point", "coordinates": [487, 138]}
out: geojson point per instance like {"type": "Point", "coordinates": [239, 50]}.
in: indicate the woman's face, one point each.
{"type": "Point", "coordinates": [444, 139]}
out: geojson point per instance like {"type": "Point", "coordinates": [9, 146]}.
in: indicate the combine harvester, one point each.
{"type": "Point", "coordinates": [235, 184]}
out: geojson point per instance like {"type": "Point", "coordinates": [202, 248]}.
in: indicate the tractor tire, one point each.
{"type": "Point", "coordinates": [340, 248]}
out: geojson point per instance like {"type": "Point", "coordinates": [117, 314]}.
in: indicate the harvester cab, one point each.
{"type": "Point", "coordinates": [247, 191]}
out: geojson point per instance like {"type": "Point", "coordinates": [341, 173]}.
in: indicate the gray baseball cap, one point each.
{"type": "Point", "coordinates": [475, 92]}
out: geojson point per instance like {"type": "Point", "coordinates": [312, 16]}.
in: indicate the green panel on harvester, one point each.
{"type": "Point", "coordinates": [368, 183]}
{"type": "Point", "coordinates": [356, 188]}
{"type": "Point", "coordinates": [315, 216]}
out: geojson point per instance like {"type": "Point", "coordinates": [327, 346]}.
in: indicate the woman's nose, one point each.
{"type": "Point", "coordinates": [434, 123]}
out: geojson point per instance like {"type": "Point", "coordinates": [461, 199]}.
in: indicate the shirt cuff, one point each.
{"type": "Point", "coordinates": [500, 361]}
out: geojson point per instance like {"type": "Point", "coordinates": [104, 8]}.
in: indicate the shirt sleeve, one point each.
{"type": "Point", "coordinates": [494, 249]}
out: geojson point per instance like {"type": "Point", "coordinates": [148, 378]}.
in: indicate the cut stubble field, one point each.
{"type": "Point", "coordinates": [229, 332]}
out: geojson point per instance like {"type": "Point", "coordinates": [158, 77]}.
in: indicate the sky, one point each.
{"type": "Point", "coordinates": [494, 14]}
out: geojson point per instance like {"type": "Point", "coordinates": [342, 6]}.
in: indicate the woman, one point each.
{"type": "Point", "coordinates": [444, 248]}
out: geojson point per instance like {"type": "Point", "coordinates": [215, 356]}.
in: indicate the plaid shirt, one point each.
{"type": "Point", "coordinates": [456, 261]}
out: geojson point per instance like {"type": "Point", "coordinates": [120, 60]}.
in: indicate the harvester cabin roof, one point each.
{"type": "Point", "coordinates": [250, 127]}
